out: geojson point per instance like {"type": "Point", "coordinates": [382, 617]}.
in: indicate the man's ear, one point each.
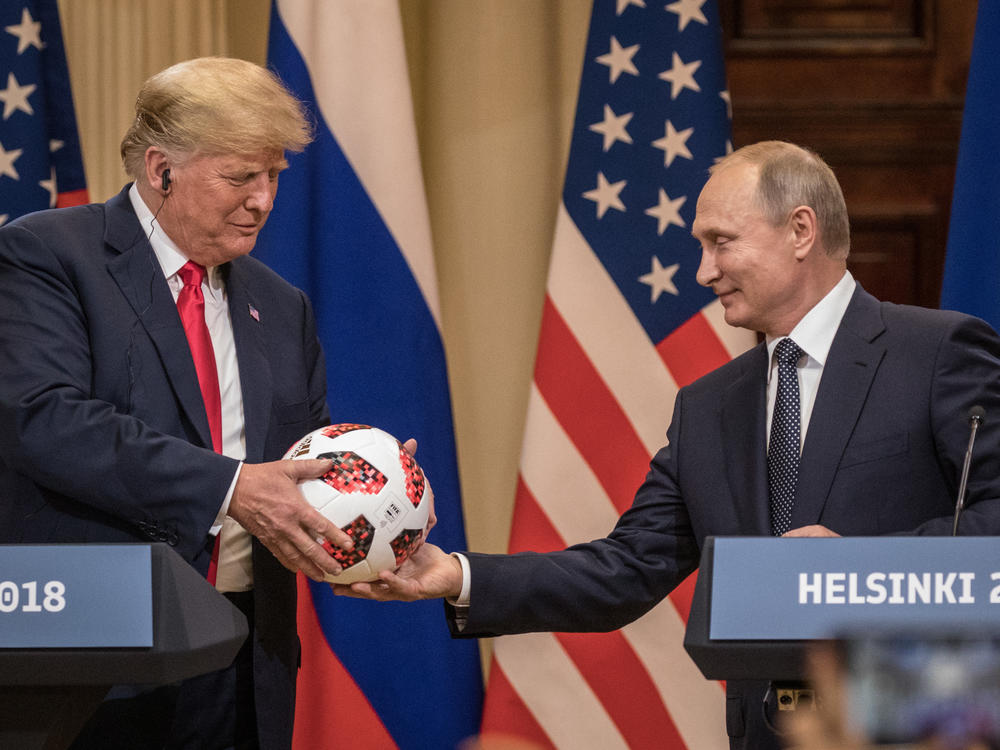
{"type": "Point", "coordinates": [804, 230]}
{"type": "Point", "coordinates": [157, 164]}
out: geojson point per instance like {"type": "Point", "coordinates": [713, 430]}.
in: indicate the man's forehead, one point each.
{"type": "Point", "coordinates": [706, 223]}
{"type": "Point", "coordinates": [711, 203]}
{"type": "Point", "coordinates": [726, 198]}
{"type": "Point", "coordinates": [732, 175]}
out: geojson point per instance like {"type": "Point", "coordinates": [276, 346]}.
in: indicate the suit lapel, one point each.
{"type": "Point", "coordinates": [844, 386]}
{"type": "Point", "coordinates": [140, 279]}
{"type": "Point", "coordinates": [743, 441]}
{"type": "Point", "coordinates": [248, 316]}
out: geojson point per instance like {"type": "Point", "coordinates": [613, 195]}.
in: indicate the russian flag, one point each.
{"type": "Point", "coordinates": [350, 227]}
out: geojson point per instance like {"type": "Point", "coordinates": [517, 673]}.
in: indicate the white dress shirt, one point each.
{"type": "Point", "coordinates": [235, 570]}
{"type": "Point", "coordinates": [814, 336]}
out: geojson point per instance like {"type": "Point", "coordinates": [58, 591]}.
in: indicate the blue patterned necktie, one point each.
{"type": "Point", "coordinates": [784, 447]}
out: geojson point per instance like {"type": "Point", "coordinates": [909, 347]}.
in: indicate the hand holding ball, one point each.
{"type": "Point", "coordinates": [375, 492]}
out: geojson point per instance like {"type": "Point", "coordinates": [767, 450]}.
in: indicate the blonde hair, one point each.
{"type": "Point", "coordinates": [213, 105]}
{"type": "Point", "coordinates": [790, 176]}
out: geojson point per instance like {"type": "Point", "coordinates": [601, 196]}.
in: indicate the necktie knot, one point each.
{"type": "Point", "coordinates": [191, 273]}
{"type": "Point", "coordinates": [787, 352]}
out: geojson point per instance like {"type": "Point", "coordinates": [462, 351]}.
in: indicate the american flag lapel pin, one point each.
{"type": "Point", "coordinates": [253, 312]}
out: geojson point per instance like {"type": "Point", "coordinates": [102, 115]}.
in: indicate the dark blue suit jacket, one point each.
{"type": "Point", "coordinates": [103, 434]}
{"type": "Point", "coordinates": [883, 454]}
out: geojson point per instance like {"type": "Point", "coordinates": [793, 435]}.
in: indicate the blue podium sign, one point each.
{"type": "Point", "coordinates": [75, 596]}
{"type": "Point", "coordinates": [796, 589]}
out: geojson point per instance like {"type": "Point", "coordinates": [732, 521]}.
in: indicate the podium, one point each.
{"type": "Point", "coordinates": [62, 645]}
{"type": "Point", "coordinates": [759, 601]}
{"type": "Point", "coordinates": [735, 659]}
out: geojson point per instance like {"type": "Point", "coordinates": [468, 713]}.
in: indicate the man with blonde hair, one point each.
{"type": "Point", "coordinates": [154, 374]}
{"type": "Point", "coordinates": [874, 444]}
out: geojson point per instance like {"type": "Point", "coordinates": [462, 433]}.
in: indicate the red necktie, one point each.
{"type": "Point", "coordinates": [191, 306]}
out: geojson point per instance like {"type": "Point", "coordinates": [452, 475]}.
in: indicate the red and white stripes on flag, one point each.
{"type": "Point", "coordinates": [624, 326]}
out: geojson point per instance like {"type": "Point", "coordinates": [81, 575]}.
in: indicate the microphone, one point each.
{"type": "Point", "coordinates": [976, 416]}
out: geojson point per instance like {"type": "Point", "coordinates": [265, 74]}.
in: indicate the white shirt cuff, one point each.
{"type": "Point", "coordinates": [221, 515]}
{"type": "Point", "coordinates": [462, 600]}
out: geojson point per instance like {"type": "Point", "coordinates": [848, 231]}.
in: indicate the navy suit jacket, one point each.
{"type": "Point", "coordinates": [882, 455]}
{"type": "Point", "coordinates": [103, 433]}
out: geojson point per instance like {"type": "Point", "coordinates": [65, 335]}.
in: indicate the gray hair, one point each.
{"type": "Point", "coordinates": [790, 176]}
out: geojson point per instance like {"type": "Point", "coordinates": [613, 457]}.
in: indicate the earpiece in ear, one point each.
{"type": "Point", "coordinates": [165, 181]}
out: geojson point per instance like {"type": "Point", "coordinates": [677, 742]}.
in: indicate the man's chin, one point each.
{"type": "Point", "coordinates": [223, 254]}
{"type": "Point", "coordinates": [746, 324]}
{"type": "Point", "coordinates": [735, 317]}
{"type": "Point", "coordinates": [243, 244]}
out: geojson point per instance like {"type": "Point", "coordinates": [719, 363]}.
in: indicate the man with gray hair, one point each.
{"type": "Point", "coordinates": [152, 376]}
{"type": "Point", "coordinates": [848, 419]}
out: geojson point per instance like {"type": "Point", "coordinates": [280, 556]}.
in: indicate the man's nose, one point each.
{"type": "Point", "coordinates": [261, 195]}
{"type": "Point", "coordinates": [708, 271]}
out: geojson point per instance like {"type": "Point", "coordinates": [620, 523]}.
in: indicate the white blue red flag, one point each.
{"type": "Point", "coordinates": [40, 161]}
{"type": "Point", "coordinates": [624, 326]}
{"type": "Point", "coordinates": [972, 265]}
{"type": "Point", "coordinates": [351, 228]}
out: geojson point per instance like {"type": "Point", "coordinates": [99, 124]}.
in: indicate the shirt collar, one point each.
{"type": "Point", "coordinates": [814, 333]}
{"type": "Point", "coordinates": [167, 253]}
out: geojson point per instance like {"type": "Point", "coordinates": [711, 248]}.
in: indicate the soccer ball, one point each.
{"type": "Point", "coordinates": [375, 492]}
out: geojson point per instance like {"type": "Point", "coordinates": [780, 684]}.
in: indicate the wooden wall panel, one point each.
{"type": "Point", "coordinates": [877, 88]}
{"type": "Point", "coordinates": [856, 25]}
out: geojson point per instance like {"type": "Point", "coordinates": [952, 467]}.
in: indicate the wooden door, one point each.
{"type": "Point", "coordinates": [877, 88]}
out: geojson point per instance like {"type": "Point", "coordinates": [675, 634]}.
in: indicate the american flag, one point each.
{"type": "Point", "coordinates": [624, 326]}
{"type": "Point", "coordinates": [350, 227]}
{"type": "Point", "coordinates": [40, 161]}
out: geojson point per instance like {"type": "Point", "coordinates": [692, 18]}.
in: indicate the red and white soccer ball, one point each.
{"type": "Point", "coordinates": [375, 492]}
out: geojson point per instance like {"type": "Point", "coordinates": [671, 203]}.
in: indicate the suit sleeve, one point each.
{"type": "Point", "coordinates": [87, 454]}
{"type": "Point", "coordinates": [967, 373]}
{"type": "Point", "coordinates": [598, 586]}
